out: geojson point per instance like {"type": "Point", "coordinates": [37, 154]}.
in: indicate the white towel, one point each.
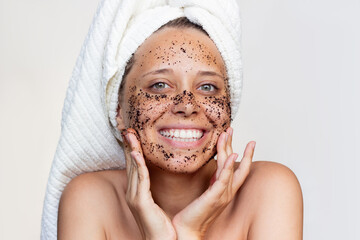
{"type": "Point", "coordinates": [88, 134]}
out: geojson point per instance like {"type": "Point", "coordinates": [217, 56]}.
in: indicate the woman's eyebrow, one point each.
{"type": "Point", "coordinates": [163, 70]}
{"type": "Point", "coordinates": [209, 73]}
{"type": "Point", "coordinates": [169, 70]}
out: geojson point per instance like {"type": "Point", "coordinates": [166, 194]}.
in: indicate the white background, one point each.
{"type": "Point", "coordinates": [300, 102]}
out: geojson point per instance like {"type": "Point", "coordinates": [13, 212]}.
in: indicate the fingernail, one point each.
{"type": "Point", "coordinates": [131, 130]}
{"type": "Point", "coordinates": [227, 136]}
{"type": "Point", "coordinates": [254, 144]}
{"type": "Point", "coordinates": [127, 137]}
{"type": "Point", "coordinates": [231, 131]}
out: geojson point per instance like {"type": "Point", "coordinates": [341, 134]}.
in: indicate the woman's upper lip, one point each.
{"type": "Point", "coordinates": [183, 126]}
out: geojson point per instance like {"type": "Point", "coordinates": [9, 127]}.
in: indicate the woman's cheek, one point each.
{"type": "Point", "coordinates": [144, 108]}
{"type": "Point", "coordinates": [218, 111]}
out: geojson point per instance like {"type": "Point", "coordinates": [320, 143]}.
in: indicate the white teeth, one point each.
{"type": "Point", "coordinates": [182, 135]}
{"type": "Point", "coordinates": [176, 134]}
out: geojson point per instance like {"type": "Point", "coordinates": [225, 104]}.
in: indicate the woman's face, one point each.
{"type": "Point", "coordinates": [176, 97]}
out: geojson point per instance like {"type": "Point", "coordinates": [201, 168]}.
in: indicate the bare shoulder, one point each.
{"type": "Point", "coordinates": [94, 183]}
{"type": "Point", "coordinates": [276, 202]}
{"type": "Point", "coordinates": [274, 174]}
{"type": "Point", "coordinates": [88, 202]}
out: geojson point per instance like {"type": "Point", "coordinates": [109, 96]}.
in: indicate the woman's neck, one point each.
{"type": "Point", "coordinates": [173, 192]}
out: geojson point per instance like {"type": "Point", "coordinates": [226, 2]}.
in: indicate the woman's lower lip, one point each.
{"type": "Point", "coordinates": [186, 145]}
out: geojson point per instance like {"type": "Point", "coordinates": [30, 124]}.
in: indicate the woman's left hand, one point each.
{"type": "Point", "coordinates": [193, 221]}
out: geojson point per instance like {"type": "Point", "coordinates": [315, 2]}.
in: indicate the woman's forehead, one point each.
{"type": "Point", "coordinates": [180, 46]}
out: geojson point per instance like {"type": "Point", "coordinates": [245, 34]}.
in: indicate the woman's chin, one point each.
{"type": "Point", "coordinates": [179, 165]}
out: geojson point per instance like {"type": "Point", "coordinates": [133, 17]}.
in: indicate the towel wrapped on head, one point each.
{"type": "Point", "coordinates": [88, 140]}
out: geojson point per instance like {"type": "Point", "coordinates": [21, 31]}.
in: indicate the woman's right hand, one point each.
{"type": "Point", "coordinates": [153, 222]}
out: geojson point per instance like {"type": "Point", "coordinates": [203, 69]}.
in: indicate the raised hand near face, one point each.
{"type": "Point", "coordinates": [153, 222]}
{"type": "Point", "coordinates": [194, 220]}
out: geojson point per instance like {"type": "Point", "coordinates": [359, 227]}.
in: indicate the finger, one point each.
{"type": "Point", "coordinates": [229, 149]}
{"type": "Point", "coordinates": [134, 142]}
{"type": "Point", "coordinates": [221, 153]}
{"type": "Point", "coordinates": [221, 184]}
{"type": "Point", "coordinates": [244, 167]}
{"type": "Point", "coordinates": [129, 173]}
{"type": "Point", "coordinates": [229, 185]}
{"type": "Point", "coordinates": [136, 155]}
{"type": "Point", "coordinates": [133, 179]}
{"type": "Point", "coordinates": [127, 151]}
{"type": "Point", "coordinates": [143, 174]}
{"type": "Point", "coordinates": [137, 161]}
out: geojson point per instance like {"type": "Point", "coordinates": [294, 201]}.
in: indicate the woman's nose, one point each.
{"type": "Point", "coordinates": [185, 104]}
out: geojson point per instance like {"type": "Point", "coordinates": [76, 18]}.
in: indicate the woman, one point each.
{"type": "Point", "coordinates": [174, 113]}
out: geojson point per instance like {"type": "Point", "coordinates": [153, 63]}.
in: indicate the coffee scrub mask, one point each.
{"type": "Point", "coordinates": [177, 99]}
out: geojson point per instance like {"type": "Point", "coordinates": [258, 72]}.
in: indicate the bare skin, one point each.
{"type": "Point", "coordinates": [191, 196]}
{"type": "Point", "coordinates": [94, 207]}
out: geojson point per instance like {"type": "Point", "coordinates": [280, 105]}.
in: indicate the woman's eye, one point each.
{"type": "Point", "coordinates": [160, 85]}
{"type": "Point", "coordinates": [207, 88]}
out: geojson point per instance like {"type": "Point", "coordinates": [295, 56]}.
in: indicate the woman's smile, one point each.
{"type": "Point", "coordinates": [183, 137]}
